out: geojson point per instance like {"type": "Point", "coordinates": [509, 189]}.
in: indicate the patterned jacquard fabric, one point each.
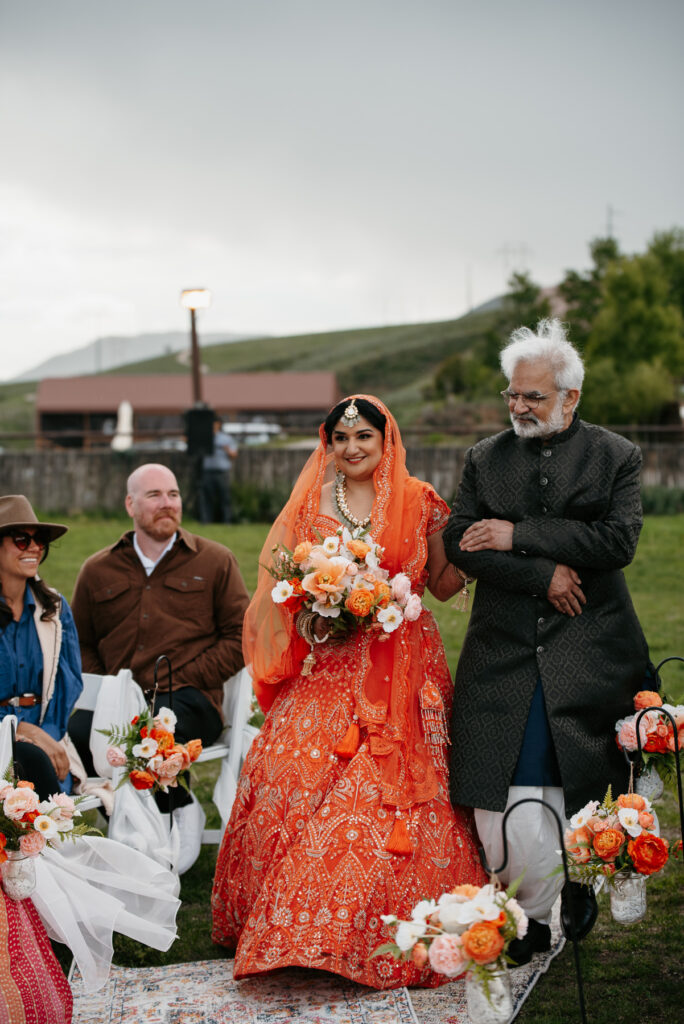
{"type": "Point", "coordinates": [33, 989]}
{"type": "Point", "coordinates": [574, 499]}
{"type": "Point", "coordinates": [303, 874]}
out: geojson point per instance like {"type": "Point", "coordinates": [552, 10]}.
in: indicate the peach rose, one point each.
{"type": "Point", "coordinates": [358, 548]}
{"type": "Point", "coordinates": [467, 890]}
{"type": "Point", "coordinates": [627, 736]}
{"type": "Point", "coordinates": [20, 801]}
{"type": "Point", "coordinates": [646, 820]}
{"type": "Point", "coordinates": [25, 784]}
{"type": "Point", "coordinates": [632, 800]}
{"type": "Point", "coordinates": [142, 780]}
{"type": "Point", "coordinates": [483, 942]}
{"type": "Point", "coordinates": [608, 843]}
{"type": "Point", "coordinates": [302, 552]}
{"type": "Point", "coordinates": [165, 739]}
{"type": "Point", "coordinates": [116, 757]}
{"type": "Point", "coordinates": [360, 602]}
{"type": "Point", "coordinates": [31, 844]}
{"type": "Point", "coordinates": [67, 807]}
{"type": "Point", "coordinates": [419, 955]}
{"type": "Point", "coordinates": [573, 838]}
{"type": "Point", "coordinates": [413, 608]}
{"type": "Point", "coordinates": [648, 853]}
{"type": "Point", "coordinates": [401, 588]}
{"type": "Point", "coordinates": [647, 699]}
{"type": "Point", "coordinates": [446, 955]}
{"type": "Point", "coordinates": [194, 749]}
{"type": "Point", "coordinates": [182, 751]}
{"type": "Point", "coordinates": [171, 766]}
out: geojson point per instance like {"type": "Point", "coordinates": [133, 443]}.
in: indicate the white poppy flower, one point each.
{"type": "Point", "coordinates": [281, 591]}
{"type": "Point", "coordinates": [328, 611]}
{"type": "Point", "coordinates": [391, 617]}
{"type": "Point", "coordinates": [423, 910]}
{"type": "Point", "coordinates": [147, 748]}
{"type": "Point", "coordinates": [408, 934]}
{"type": "Point", "coordinates": [166, 718]}
{"type": "Point", "coordinates": [580, 819]}
{"type": "Point", "coordinates": [629, 819]}
{"type": "Point", "coordinates": [45, 825]}
{"type": "Point", "coordinates": [331, 545]}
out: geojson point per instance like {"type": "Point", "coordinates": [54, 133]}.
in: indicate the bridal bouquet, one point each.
{"type": "Point", "coordinates": [341, 579]}
{"type": "Point", "coordinates": [148, 752]}
{"type": "Point", "coordinates": [656, 733]}
{"type": "Point", "coordinates": [612, 837]}
{"type": "Point", "coordinates": [466, 930]}
{"type": "Point", "coordinates": [28, 823]}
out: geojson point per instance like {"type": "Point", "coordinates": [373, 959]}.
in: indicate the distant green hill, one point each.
{"type": "Point", "coordinates": [394, 363]}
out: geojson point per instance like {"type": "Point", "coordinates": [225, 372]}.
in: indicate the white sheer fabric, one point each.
{"type": "Point", "coordinates": [237, 700]}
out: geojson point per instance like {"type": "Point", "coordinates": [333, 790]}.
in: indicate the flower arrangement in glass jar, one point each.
{"type": "Point", "coordinates": [466, 930]}
{"type": "Point", "coordinates": [613, 837]}
{"type": "Point", "coordinates": [28, 824]}
{"type": "Point", "coordinates": [341, 579]}
{"type": "Point", "coordinates": [656, 733]}
{"type": "Point", "coordinates": [147, 751]}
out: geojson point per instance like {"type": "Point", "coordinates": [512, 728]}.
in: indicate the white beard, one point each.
{"type": "Point", "coordinates": [533, 427]}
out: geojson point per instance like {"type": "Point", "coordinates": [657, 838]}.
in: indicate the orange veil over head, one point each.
{"type": "Point", "coordinates": [390, 686]}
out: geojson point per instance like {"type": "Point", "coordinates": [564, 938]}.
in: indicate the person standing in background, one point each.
{"type": "Point", "coordinates": [214, 503]}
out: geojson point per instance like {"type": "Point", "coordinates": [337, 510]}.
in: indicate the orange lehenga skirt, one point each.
{"type": "Point", "coordinates": [303, 876]}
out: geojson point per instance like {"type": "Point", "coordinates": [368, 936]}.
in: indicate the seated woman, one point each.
{"type": "Point", "coordinates": [40, 661]}
{"type": "Point", "coordinates": [342, 813]}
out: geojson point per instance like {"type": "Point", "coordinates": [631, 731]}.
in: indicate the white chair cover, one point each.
{"type": "Point", "coordinates": [119, 699]}
{"type": "Point", "coordinates": [237, 700]}
{"type": "Point", "coordinates": [6, 741]}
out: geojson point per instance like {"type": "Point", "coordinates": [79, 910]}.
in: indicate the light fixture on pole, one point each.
{"type": "Point", "coordinates": [193, 299]}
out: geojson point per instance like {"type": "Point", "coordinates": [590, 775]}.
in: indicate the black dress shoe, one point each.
{"type": "Point", "coordinates": [584, 909]}
{"type": "Point", "coordinates": [537, 940]}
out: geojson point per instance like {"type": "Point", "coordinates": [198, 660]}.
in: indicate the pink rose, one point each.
{"type": "Point", "coordinates": [66, 805]}
{"type": "Point", "coordinates": [170, 767]}
{"type": "Point", "coordinates": [116, 757]}
{"type": "Point", "coordinates": [413, 608]}
{"type": "Point", "coordinates": [31, 844]}
{"type": "Point", "coordinates": [401, 588]}
{"type": "Point", "coordinates": [627, 737]}
{"type": "Point", "coordinates": [19, 801]}
{"type": "Point", "coordinates": [446, 955]}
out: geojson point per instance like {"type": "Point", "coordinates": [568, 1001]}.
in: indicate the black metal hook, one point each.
{"type": "Point", "coordinates": [160, 659]}
{"type": "Point", "coordinates": [575, 943]}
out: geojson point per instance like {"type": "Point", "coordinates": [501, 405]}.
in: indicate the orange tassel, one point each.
{"type": "Point", "coordinates": [399, 841]}
{"type": "Point", "coordinates": [349, 744]}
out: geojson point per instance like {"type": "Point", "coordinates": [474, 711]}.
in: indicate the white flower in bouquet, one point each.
{"type": "Point", "coordinates": [46, 826]}
{"type": "Point", "coordinates": [281, 592]}
{"type": "Point", "coordinates": [580, 819]}
{"type": "Point", "coordinates": [390, 617]}
{"type": "Point", "coordinates": [166, 719]}
{"type": "Point", "coordinates": [331, 545]}
{"type": "Point", "coordinates": [146, 748]}
{"type": "Point", "coordinates": [629, 819]}
{"type": "Point", "coordinates": [328, 611]}
{"type": "Point", "coordinates": [423, 910]}
{"type": "Point", "coordinates": [408, 933]}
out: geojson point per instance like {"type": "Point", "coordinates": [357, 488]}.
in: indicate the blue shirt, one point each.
{"type": "Point", "coordinates": [21, 669]}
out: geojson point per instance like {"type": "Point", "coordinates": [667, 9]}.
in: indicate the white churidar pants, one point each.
{"type": "Point", "coordinates": [533, 846]}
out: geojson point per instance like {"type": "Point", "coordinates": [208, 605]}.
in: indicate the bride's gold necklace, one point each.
{"type": "Point", "coordinates": [342, 508]}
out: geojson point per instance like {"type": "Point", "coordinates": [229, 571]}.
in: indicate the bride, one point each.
{"type": "Point", "coordinates": [342, 813]}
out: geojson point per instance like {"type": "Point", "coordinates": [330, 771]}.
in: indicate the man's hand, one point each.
{"type": "Point", "coordinates": [488, 535]}
{"type": "Point", "coordinates": [565, 592]}
{"type": "Point", "coordinates": [28, 733]}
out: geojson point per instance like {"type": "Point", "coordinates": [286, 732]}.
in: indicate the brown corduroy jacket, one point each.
{"type": "Point", "coordinates": [190, 608]}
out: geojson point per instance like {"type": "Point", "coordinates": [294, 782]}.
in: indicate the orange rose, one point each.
{"type": "Point", "coordinates": [632, 800]}
{"type": "Point", "coordinates": [182, 751]}
{"type": "Point", "coordinates": [302, 551]}
{"type": "Point", "coordinates": [648, 853]}
{"type": "Point", "coordinates": [360, 602]}
{"type": "Point", "coordinates": [163, 737]}
{"type": "Point", "coordinates": [25, 784]}
{"type": "Point", "coordinates": [382, 593]}
{"type": "Point", "coordinates": [646, 820]}
{"type": "Point", "coordinates": [142, 780]}
{"type": "Point", "coordinates": [482, 942]}
{"type": "Point", "coordinates": [647, 699]}
{"type": "Point", "coordinates": [419, 954]}
{"type": "Point", "coordinates": [194, 749]}
{"type": "Point", "coordinates": [358, 548]}
{"type": "Point", "coordinates": [608, 843]}
{"type": "Point", "coordinates": [577, 844]}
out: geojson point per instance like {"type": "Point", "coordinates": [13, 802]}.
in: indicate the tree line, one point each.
{"type": "Point", "coordinates": [626, 316]}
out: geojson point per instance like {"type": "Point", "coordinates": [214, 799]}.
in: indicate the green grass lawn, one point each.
{"type": "Point", "coordinates": [632, 974]}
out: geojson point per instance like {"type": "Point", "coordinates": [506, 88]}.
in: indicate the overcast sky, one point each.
{"type": "Point", "coordinates": [318, 163]}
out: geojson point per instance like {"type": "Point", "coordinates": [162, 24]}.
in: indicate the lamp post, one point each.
{"type": "Point", "coordinates": [194, 299]}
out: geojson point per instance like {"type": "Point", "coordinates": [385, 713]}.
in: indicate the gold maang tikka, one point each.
{"type": "Point", "coordinates": [351, 415]}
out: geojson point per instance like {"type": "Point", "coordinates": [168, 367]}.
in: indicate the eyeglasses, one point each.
{"type": "Point", "coordinates": [531, 400]}
{"type": "Point", "coordinates": [23, 540]}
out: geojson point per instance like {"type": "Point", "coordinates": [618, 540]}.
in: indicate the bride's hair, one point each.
{"type": "Point", "coordinates": [366, 409]}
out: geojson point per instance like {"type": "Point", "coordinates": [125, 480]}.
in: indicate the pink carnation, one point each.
{"type": "Point", "coordinates": [116, 757]}
{"type": "Point", "coordinates": [31, 844]}
{"type": "Point", "coordinates": [446, 955]}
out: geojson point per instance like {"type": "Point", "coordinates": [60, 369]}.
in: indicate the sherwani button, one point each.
{"type": "Point", "coordinates": [540, 650]}
{"type": "Point", "coordinates": [547, 452]}
{"type": "Point", "coordinates": [544, 481]}
{"type": "Point", "coordinates": [540, 622]}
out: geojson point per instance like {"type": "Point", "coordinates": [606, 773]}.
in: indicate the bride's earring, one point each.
{"type": "Point", "coordinates": [339, 475]}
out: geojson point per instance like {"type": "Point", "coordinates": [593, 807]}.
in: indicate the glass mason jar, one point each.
{"type": "Point", "coordinates": [18, 875]}
{"type": "Point", "coordinates": [628, 897]}
{"type": "Point", "coordinates": [498, 1008]}
{"type": "Point", "coordinates": [649, 784]}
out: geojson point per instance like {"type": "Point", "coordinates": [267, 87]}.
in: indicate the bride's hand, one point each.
{"type": "Point", "coordinates": [321, 628]}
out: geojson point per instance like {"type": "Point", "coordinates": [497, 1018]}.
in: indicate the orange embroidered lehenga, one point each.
{"type": "Point", "coordinates": [305, 870]}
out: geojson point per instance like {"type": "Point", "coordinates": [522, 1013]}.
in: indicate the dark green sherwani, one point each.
{"type": "Point", "coordinates": [574, 499]}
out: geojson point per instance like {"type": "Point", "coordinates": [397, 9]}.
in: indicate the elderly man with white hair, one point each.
{"type": "Point", "coordinates": [547, 515]}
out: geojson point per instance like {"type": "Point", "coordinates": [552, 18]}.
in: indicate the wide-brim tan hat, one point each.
{"type": "Point", "coordinates": [16, 513]}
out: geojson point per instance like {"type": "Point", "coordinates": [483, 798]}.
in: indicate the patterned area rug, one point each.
{"type": "Point", "coordinates": [205, 993]}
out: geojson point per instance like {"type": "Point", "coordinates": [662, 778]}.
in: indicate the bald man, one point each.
{"type": "Point", "coordinates": [161, 590]}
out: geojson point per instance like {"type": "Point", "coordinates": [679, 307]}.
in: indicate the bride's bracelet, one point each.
{"type": "Point", "coordinates": [305, 626]}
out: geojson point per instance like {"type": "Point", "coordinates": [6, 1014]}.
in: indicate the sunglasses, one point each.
{"type": "Point", "coordinates": [23, 540]}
